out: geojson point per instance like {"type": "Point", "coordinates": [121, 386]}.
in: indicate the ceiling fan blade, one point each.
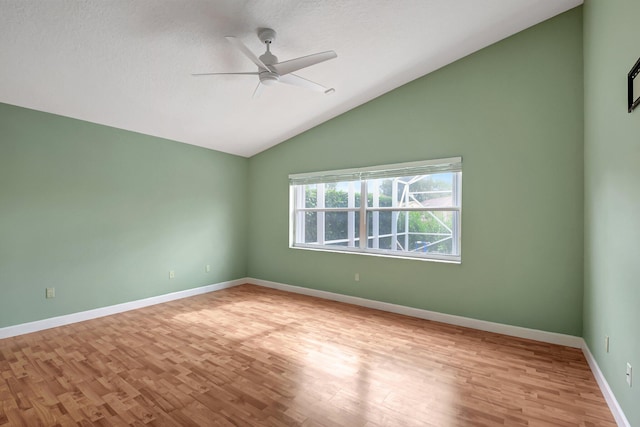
{"type": "Point", "coordinates": [258, 91]}
{"type": "Point", "coordinates": [244, 49]}
{"type": "Point", "coordinates": [292, 65]}
{"type": "Point", "coordinates": [294, 80]}
{"type": "Point", "coordinates": [254, 73]}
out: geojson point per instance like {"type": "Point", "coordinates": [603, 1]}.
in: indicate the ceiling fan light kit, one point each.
{"type": "Point", "coordinates": [270, 71]}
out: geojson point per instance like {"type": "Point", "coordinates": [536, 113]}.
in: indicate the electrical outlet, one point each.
{"type": "Point", "coordinates": [50, 293]}
{"type": "Point", "coordinates": [629, 370]}
{"type": "Point", "coordinates": [207, 268]}
{"type": "Point", "coordinates": [172, 274]}
{"type": "Point", "coordinates": [357, 277]}
{"type": "Point", "coordinates": [606, 343]}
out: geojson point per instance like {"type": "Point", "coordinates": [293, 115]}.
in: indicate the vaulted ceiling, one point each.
{"type": "Point", "coordinates": [128, 64]}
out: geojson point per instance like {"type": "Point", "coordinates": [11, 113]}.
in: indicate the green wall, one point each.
{"type": "Point", "coordinates": [550, 174]}
{"type": "Point", "coordinates": [612, 196]}
{"type": "Point", "coordinates": [514, 112]}
{"type": "Point", "coordinates": [103, 214]}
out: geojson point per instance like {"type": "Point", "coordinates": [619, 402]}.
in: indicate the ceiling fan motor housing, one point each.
{"type": "Point", "coordinates": [268, 58]}
{"type": "Point", "coordinates": [269, 78]}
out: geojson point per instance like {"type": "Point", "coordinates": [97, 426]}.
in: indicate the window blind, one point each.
{"type": "Point", "coordinates": [426, 167]}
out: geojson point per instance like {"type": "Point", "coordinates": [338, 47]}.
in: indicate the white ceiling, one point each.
{"type": "Point", "coordinates": [127, 63]}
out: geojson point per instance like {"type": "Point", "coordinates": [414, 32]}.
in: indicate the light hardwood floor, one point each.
{"type": "Point", "coordinates": [250, 356]}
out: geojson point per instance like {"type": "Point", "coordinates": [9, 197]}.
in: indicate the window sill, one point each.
{"type": "Point", "coordinates": [350, 251]}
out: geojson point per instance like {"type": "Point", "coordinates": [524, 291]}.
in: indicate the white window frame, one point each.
{"type": "Point", "coordinates": [360, 176]}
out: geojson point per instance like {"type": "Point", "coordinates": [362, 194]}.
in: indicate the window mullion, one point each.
{"type": "Point", "coordinates": [299, 201]}
{"type": "Point", "coordinates": [375, 215]}
{"type": "Point", "coordinates": [351, 216]}
{"type": "Point", "coordinates": [394, 215]}
{"type": "Point", "coordinates": [363, 214]}
{"type": "Point", "coordinates": [457, 193]}
{"type": "Point", "coordinates": [321, 215]}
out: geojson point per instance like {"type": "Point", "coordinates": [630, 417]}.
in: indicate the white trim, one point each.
{"type": "Point", "coordinates": [384, 209]}
{"type": "Point", "coordinates": [483, 325]}
{"type": "Point", "coordinates": [385, 253]}
{"type": "Point", "coordinates": [39, 325]}
{"type": "Point", "coordinates": [614, 406]}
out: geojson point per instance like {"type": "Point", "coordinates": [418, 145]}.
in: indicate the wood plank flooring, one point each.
{"type": "Point", "coordinates": [250, 356]}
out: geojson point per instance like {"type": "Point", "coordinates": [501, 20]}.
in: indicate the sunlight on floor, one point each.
{"type": "Point", "coordinates": [362, 393]}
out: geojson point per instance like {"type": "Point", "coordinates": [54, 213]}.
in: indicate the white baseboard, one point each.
{"type": "Point", "coordinates": [614, 406]}
{"type": "Point", "coordinates": [483, 325]}
{"type": "Point", "coordinates": [516, 331]}
{"type": "Point", "coordinates": [39, 325]}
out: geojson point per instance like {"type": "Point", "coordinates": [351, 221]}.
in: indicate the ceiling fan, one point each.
{"type": "Point", "coordinates": [270, 71]}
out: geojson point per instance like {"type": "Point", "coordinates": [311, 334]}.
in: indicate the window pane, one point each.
{"type": "Point", "coordinates": [434, 190]}
{"type": "Point", "coordinates": [342, 194]}
{"type": "Point", "coordinates": [311, 195]}
{"type": "Point", "coordinates": [433, 232]}
{"type": "Point", "coordinates": [425, 231]}
{"type": "Point", "coordinates": [379, 229]}
{"type": "Point", "coordinates": [335, 226]}
{"type": "Point", "coordinates": [379, 192]}
{"type": "Point", "coordinates": [342, 228]}
{"type": "Point", "coordinates": [380, 222]}
{"type": "Point", "coordinates": [310, 227]}
{"type": "Point", "coordinates": [385, 243]}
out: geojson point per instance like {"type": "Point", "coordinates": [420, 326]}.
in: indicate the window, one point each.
{"type": "Point", "coordinates": [405, 210]}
